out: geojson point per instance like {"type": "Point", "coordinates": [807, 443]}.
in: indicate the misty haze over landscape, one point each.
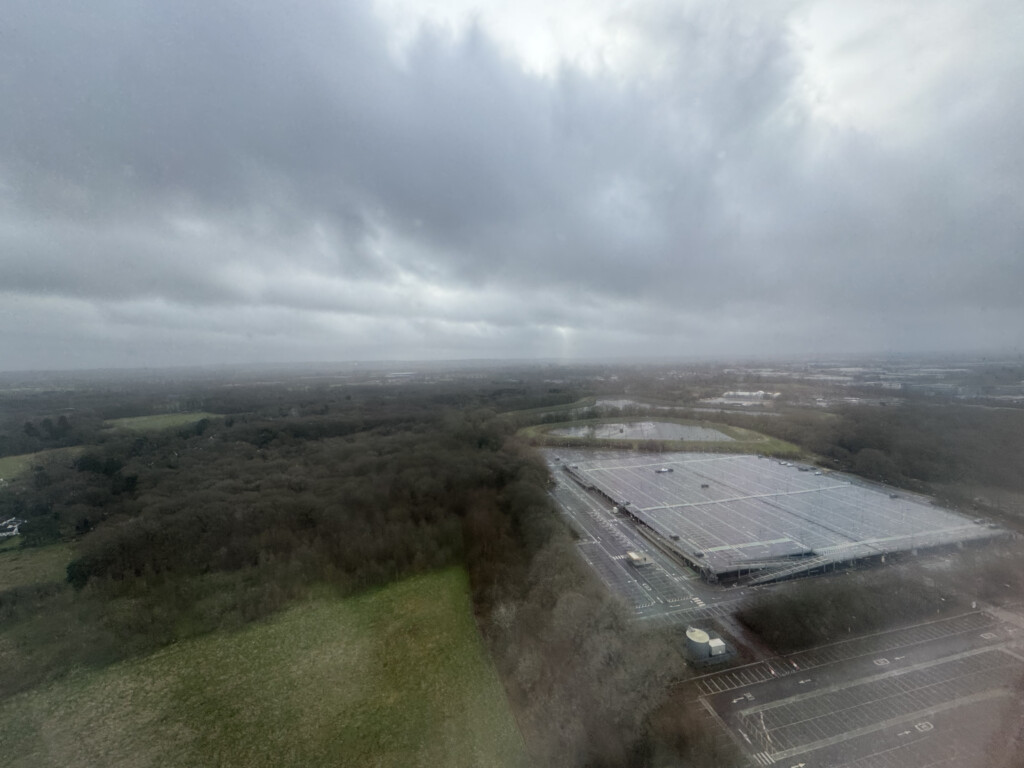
{"type": "Point", "coordinates": [573, 385]}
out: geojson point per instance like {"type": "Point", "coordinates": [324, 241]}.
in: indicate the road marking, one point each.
{"type": "Point", "coordinates": [828, 742]}
{"type": "Point", "coordinates": [938, 628]}
{"type": "Point", "coordinates": [894, 673]}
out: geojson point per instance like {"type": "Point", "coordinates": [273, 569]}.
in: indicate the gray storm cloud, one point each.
{"type": "Point", "coordinates": [193, 182]}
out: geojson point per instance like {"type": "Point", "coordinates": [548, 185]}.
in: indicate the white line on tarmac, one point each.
{"type": "Point", "coordinates": [922, 713]}
{"type": "Point", "coordinates": [870, 679]}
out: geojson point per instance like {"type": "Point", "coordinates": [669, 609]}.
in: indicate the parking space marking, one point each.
{"type": "Point", "coordinates": [874, 727]}
{"type": "Point", "coordinates": [892, 640]}
{"type": "Point", "coordinates": [740, 677]}
{"type": "Point", "coordinates": [809, 721]}
{"type": "Point", "coordinates": [897, 674]}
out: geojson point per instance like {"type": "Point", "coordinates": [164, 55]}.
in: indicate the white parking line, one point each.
{"type": "Point", "coordinates": [863, 731]}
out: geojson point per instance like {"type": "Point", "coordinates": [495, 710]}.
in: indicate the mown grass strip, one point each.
{"type": "Point", "coordinates": [12, 466]}
{"type": "Point", "coordinates": [159, 421]}
{"type": "Point", "coordinates": [23, 567]}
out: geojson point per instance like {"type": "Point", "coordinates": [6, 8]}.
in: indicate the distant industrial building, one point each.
{"type": "Point", "coordinates": [753, 520]}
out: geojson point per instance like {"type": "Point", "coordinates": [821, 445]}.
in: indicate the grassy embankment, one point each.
{"type": "Point", "coordinates": [39, 565]}
{"type": "Point", "coordinates": [394, 677]}
{"type": "Point", "coordinates": [743, 440]}
{"type": "Point", "coordinates": [159, 421]}
{"type": "Point", "coordinates": [12, 466]}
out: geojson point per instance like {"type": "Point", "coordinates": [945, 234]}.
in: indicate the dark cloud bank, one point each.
{"type": "Point", "coordinates": [196, 182]}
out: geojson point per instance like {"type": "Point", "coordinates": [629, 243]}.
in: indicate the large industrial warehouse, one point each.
{"type": "Point", "coordinates": [759, 519]}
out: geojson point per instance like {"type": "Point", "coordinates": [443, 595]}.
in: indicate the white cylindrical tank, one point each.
{"type": "Point", "coordinates": [697, 643]}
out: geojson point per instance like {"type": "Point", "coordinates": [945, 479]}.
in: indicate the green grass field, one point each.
{"type": "Point", "coordinates": [159, 421]}
{"type": "Point", "coordinates": [36, 565]}
{"type": "Point", "coordinates": [586, 402]}
{"type": "Point", "coordinates": [396, 677]}
{"type": "Point", "coordinates": [12, 466]}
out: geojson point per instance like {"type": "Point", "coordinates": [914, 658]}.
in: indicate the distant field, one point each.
{"type": "Point", "coordinates": [737, 439]}
{"type": "Point", "coordinates": [159, 421]}
{"type": "Point", "coordinates": [644, 430]}
{"type": "Point", "coordinates": [12, 466]}
{"type": "Point", "coordinates": [397, 677]}
{"type": "Point", "coordinates": [586, 402]}
{"type": "Point", "coordinates": [21, 567]}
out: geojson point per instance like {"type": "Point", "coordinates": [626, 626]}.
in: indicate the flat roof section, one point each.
{"type": "Point", "coordinates": [733, 513]}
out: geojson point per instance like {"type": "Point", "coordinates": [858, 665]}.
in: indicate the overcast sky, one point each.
{"type": "Point", "coordinates": [197, 182]}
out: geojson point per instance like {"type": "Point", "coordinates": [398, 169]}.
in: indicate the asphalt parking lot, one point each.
{"type": "Point", "coordinates": [933, 694]}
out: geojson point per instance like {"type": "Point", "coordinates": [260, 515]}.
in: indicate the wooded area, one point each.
{"type": "Point", "coordinates": [213, 525]}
